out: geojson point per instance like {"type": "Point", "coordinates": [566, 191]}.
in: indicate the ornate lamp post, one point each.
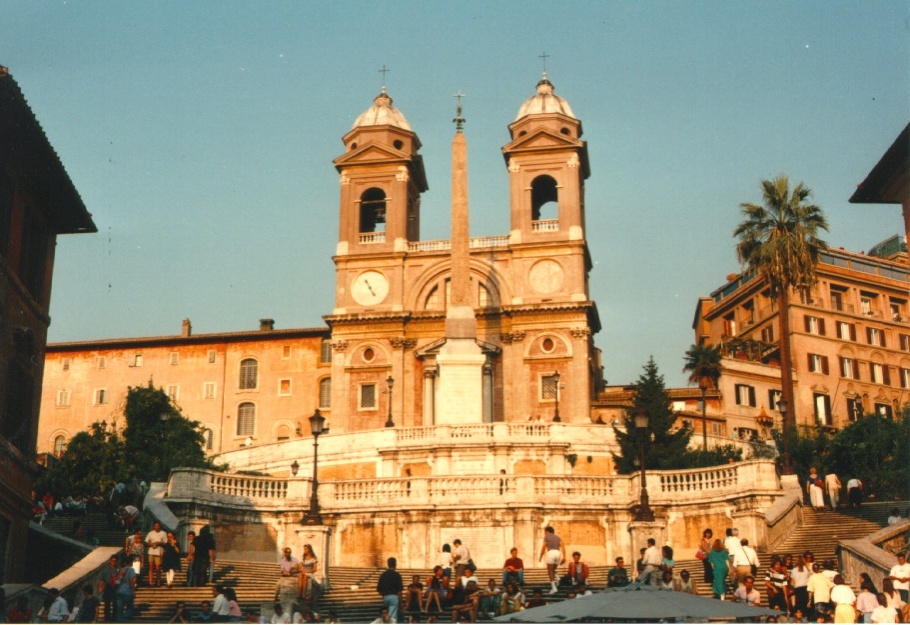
{"type": "Point", "coordinates": [295, 467]}
{"type": "Point", "coordinates": [312, 516]}
{"type": "Point", "coordinates": [782, 406]}
{"type": "Point", "coordinates": [556, 411]}
{"type": "Point", "coordinates": [391, 382]}
{"type": "Point", "coordinates": [644, 512]}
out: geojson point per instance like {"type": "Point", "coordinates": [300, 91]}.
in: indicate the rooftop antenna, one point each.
{"type": "Point", "coordinates": [459, 119]}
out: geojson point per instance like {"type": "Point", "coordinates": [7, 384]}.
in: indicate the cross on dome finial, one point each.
{"type": "Point", "coordinates": [459, 119]}
{"type": "Point", "coordinates": [544, 57]}
{"type": "Point", "coordinates": [384, 71]}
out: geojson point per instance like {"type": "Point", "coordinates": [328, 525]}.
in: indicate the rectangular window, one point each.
{"type": "Point", "coordinates": [905, 378]}
{"type": "Point", "coordinates": [284, 387]}
{"type": "Point", "coordinates": [814, 325]}
{"type": "Point", "coordinates": [774, 396]}
{"type": "Point", "coordinates": [848, 368]}
{"type": "Point", "coordinates": [905, 342]}
{"type": "Point", "coordinates": [66, 364]}
{"type": "Point", "coordinates": [548, 387]}
{"type": "Point", "coordinates": [875, 336]}
{"type": "Point", "coordinates": [854, 408]}
{"type": "Point", "coordinates": [717, 429]}
{"type": "Point", "coordinates": [897, 307]}
{"type": "Point", "coordinates": [325, 355]}
{"type": "Point", "coordinates": [211, 355]}
{"type": "Point", "coordinates": [884, 410]}
{"type": "Point", "coordinates": [879, 374]}
{"type": "Point", "coordinates": [63, 398]}
{"type": "Point", "coordinates": [137, 360]}
{"type": "Point", "coordinates": [102, 362]}
{"type": "Point", "coordinates": [325, 393]}
{"type": "Point", "coordinates": [818, 364]}
{"type": "Point", "coordinates": [767, 334]}
{"type": "Point", "coordinates": [822, 409]}
{"type": "Point", "coordinates": [730, 325]}
{"type": "Point", "coordinates": [846, 331]}
{"type": "Point", "coordinates": [100, 396]}
{"type": "Point", "coordinates": [175, 358]}
{"type": "Point", "coordinates": [286, 352]}
{"type": "Point", "coordinates": [745, 395]}
{"type": "Point", "coordinates": [867, 304]}
{"type": "Point", "coordinates": [837, 299]}
{"type": "Point", "coordinates": [208, 390]}
{"type": "Point", "coordinates": [173, 391]}
{"type": "Point", "coordinates": [367, 396]}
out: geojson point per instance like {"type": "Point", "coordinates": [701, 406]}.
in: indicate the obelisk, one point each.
{"type": "Point", "coordinates": [459, 395]}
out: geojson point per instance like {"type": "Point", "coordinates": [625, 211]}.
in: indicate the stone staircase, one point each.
{"type": "Point", "coordinates": [98, 522]}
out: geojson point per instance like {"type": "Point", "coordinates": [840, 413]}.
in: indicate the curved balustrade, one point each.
{"type": "Point", "coordinates": [665, 487]}
{"type": "Point", "coordinates": [249, 487]}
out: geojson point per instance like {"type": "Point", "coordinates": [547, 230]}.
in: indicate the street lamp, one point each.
{"type": "Point", "coordinates": [391, 382]}
{"type": "Point", "coordinates": [295, 467]}
{"type": "Point", "coordinates": [644, 512]}
{"type": "Point", "coordinates": [312, 516]}
{"type": "Point", "coordinates": [782, 406]}
{"type": "Point", "coordinates": [556, 418]}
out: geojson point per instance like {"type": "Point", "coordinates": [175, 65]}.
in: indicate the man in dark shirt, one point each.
{"type": "Point", "coordinates": [88, 612]}
{"type": "Point", "coordinates": [390, 586]}
{"type": "Point", "coordinates": [618, 576]}
{"type": "Point", "coordinates": [107, 585]}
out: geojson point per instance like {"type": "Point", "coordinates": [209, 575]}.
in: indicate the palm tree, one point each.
{"type": "Point", "coordinates": [703, 366]}
{"type": "Point", "coordinates": [779, 241]}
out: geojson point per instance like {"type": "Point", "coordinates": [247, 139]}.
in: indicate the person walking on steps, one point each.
{"type": "Point", "coordinates": [555, 551]}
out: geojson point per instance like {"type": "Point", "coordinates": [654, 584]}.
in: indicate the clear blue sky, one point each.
{"type": "Point", "coordinates": [201, 134]}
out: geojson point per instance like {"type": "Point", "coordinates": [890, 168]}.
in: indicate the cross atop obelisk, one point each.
{"type": "Point", "coordinates": [461, 272]}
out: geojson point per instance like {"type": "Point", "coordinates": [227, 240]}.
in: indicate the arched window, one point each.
{"type": "Point", "coordinates": [209, 437]}
{"type": "Point", "coordinates": [325, 393]}
{"type": "Point", "coordinates": [372, 210]}
{"type": "Point", "coordinates": [59, 445]}
{"type": "Point", "coordinates": [544, 199]}
{"type": "Point", "coordinates": [249, 373]}
{"type": "Point", "coordinates": [246, 419]}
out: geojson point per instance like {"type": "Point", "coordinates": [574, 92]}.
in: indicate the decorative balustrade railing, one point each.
{"type": "Point", "coordinates": [485, 431]}
{"type": "Point", "coordinates": [665, 487]}
{"type": "Point", "coordinates": [545, 225]}
{"type": "Point", "coordinates": [372, 237]}
{"type": "Point", "coordinates": [444, 245]}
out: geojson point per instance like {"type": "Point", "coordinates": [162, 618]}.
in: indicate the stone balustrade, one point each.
{"type": "Point", "coordinates": [339, 496]}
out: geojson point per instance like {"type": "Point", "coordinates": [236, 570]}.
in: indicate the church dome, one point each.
{"type": "Point", "coordinates": [382, 113]}
{"type": "Point", "coordinates": [544, 102]}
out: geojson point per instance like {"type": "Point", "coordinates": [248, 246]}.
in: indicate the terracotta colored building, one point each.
{"type": "Point", "coordinates": [851, 337]}
{"type": "Point", "coordinates": [37, 202]}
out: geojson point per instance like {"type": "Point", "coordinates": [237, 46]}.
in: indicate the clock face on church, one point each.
{"type": "Point", "coordinates": [369, 288]}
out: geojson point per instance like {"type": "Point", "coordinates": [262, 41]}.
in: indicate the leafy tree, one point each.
{"type": "Point", "coordinates": [158, 436]}
{"type": "Point", "coordinates": [874, 449]}
{"type": "Point", "coordinates": [703, 366]}
{"type": "Point", "coordinates": [665, 447]}
{"type": "Point", "coordinates": [91, 461]}
{"type": "Point", "coordinates": [779, 241]}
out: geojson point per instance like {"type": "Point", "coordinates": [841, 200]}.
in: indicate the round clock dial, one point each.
{"type": "Point", "coordinates": [369, 288]}
{"type": "Point", "coordinates": [546, 276]}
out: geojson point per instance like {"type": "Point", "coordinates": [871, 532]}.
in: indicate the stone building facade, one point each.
{"type": "Point", "coordinates": [37, 202]}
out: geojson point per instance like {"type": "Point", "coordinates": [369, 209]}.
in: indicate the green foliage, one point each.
{"type": "Point", "coordinates": [703, 365]}
{"type": "Point", "coordinates": [158, 436]}
{"type": "Point", "coordinates": [874, 449]}
{"type": "Point", "coordinates": [92, 459]}
{"type": "Point", "coordinates": [712, 457]}
{"type": "Point", "coordinates": [665, 447]}
{"type": "Point", "coordinates": [779, 239]}
{"type": "Point", "coordinates": [156, 439]}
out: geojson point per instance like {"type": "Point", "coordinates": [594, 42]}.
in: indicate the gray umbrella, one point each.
{"type": "Point", "coordinates": [638, 603]}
